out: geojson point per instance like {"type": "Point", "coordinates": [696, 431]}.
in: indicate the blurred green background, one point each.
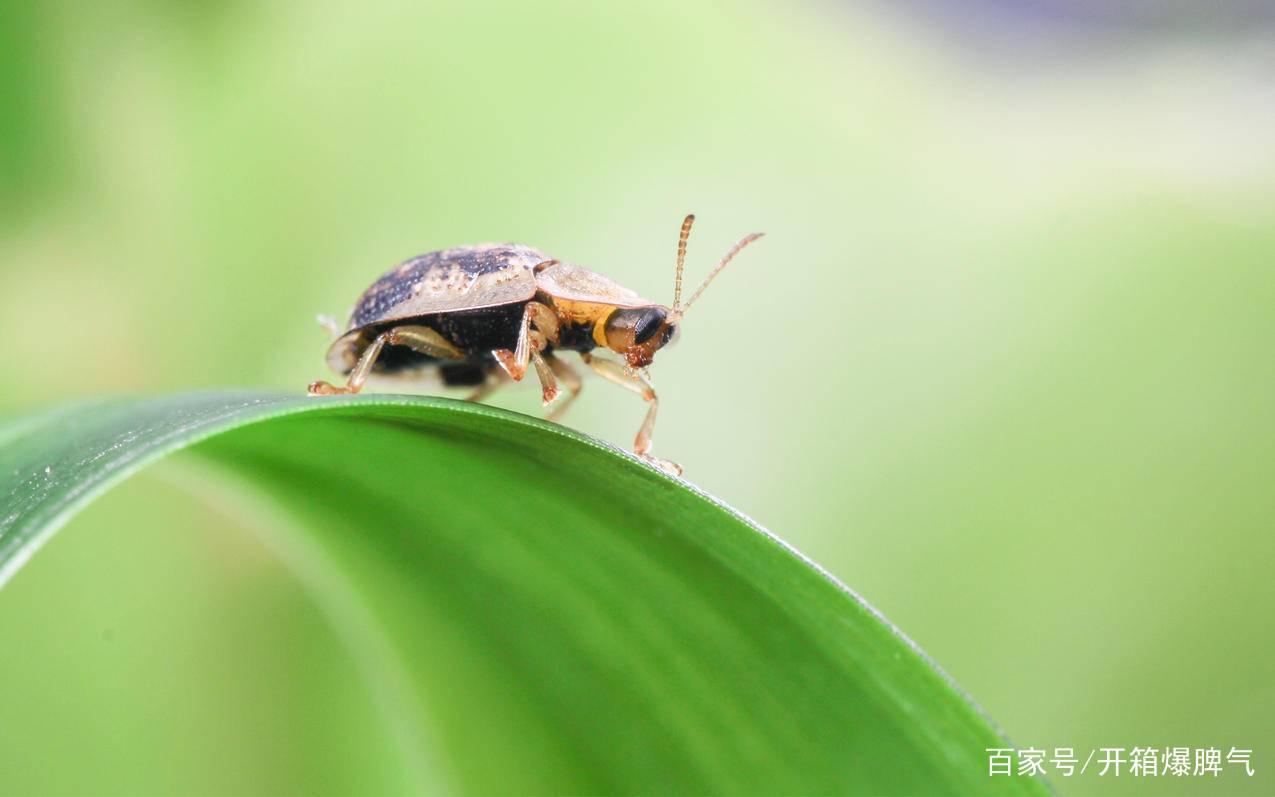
{"type": "Point", "coordinates": [1003, 364]}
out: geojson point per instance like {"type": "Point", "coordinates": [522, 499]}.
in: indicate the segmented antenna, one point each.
{"type": "Point", "coordinates": [681, 259]}
{"type": "Point", "coordinates": [678, 312]}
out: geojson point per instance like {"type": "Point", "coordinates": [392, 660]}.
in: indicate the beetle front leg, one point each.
{"type": "Point", "coordinates": [358, 375]}
{"type": "Point", "coordinates": [530, 343]}
{"type": "Point", "coordinates": [634, 380]}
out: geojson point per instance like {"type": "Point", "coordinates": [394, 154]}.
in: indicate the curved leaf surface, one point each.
{"type": "Point", "coordinates": [544, 613]}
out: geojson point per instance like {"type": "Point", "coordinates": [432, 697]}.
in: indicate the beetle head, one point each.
{"type": "Point", "coordinates": [639, 332]}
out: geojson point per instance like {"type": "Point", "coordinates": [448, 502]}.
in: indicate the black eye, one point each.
{"type": "Point", "coordinates": [648, 325]}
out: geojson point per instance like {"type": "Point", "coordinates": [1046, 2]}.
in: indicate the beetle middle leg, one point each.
{"type": "Point", "coordinates": [532, 341]}
{"type": "Point", "coordinates": [358, 375]}
{"type": "Point", "coordinates": [494, 381]}
{"type": "Point", "coordinates": [569, 378]}
{"type": "Point", "coordinates": [635, 381]}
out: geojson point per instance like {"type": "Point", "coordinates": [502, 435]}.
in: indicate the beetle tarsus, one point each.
{"type": "Point", "coordinates": [321, 388]}
{"type": "Point", "coordinates": [668, 466]}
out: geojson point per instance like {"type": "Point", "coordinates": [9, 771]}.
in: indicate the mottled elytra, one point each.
{"type": "Point", "coordinates": [481, 314]}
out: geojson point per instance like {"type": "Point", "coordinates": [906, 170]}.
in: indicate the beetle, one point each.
{"type": "Point", "coordinates": [481, 314]}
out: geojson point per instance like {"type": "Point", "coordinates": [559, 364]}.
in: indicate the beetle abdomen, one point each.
{"type": "Point", "coordinates": [474, 332]}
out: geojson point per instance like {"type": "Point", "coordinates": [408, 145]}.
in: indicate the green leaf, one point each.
{"type": "Point", "coordinates": [538, 611]}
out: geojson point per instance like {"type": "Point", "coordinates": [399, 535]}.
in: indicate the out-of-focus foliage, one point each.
{"type": "Point", "coordinates": [1002, 362]}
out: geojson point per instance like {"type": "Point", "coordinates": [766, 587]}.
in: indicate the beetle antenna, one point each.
{"type": "Point", "coordinates": [678, 312]}
{"type": "Point", "coordinates": [681, 260]}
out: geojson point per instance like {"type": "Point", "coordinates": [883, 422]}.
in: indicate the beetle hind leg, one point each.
{"type": "Point", "coordinates": [419, 338]}
{"type": "Point", "coordinates": [358, 375]}
{"type": "Point", "coordinates": [425, 340]}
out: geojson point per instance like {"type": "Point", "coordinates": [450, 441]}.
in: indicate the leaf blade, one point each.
{"type": "Point", "coordinates": [677, 646]}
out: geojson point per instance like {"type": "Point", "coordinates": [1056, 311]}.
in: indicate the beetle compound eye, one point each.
{"type": "Point", "coordinates": [648, 324]}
